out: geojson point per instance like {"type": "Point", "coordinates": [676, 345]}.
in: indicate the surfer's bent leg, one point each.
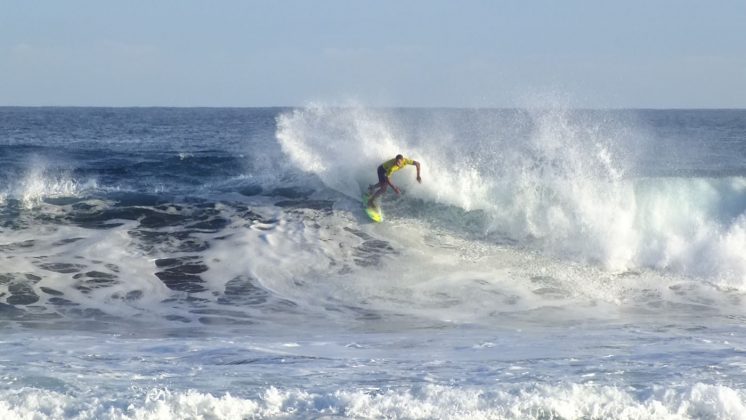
{"type": "Point", "coordinates": [381, 190]}
{"type": "Point", "coordinates": [382, 181]}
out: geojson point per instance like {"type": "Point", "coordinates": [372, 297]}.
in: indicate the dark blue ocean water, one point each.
{"type": "Point", "coordinates": [216, 263]}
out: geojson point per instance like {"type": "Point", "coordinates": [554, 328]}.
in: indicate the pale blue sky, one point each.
{"type": "Point", "coordinates": [639, 54]}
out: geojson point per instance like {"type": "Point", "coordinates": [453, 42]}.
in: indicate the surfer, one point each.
{"type": "Point", "coordinates": [385, 170]}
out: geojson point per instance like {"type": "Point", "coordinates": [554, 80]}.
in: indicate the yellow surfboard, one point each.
{"type": "Point", "coordinates": [373, 211]}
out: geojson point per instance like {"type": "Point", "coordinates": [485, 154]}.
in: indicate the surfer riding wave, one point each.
{"type": "Point", "coordinates": [385, 170]}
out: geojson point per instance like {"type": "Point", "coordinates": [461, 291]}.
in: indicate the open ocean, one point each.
{"type": "Point", "coordinates": [217, 263]}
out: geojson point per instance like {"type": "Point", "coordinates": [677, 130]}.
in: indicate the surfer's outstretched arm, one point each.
{"type": "Point", "coordinates": [417, 165]}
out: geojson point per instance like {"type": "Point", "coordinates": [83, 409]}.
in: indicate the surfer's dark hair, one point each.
{"type": "Point", "coordinates": [398, 157]}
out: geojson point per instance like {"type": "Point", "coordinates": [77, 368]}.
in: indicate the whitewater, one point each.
{"type": "Point", "coordinates": [217, 263]}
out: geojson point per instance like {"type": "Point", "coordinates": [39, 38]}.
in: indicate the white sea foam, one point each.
{"type": "Point", "coordinates": [564, 190]}
{"type": "Point", "coordinates": [429, 402]}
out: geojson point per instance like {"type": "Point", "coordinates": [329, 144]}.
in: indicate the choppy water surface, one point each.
{"type": "Point", "coordinates": [216, 263]}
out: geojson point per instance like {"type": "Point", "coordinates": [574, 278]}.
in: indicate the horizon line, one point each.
{"type": "Point", "coordinates": [433, 107]}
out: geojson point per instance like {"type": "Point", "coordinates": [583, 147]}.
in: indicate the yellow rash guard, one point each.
{"type": "Point", "coordinates": [390, 165]}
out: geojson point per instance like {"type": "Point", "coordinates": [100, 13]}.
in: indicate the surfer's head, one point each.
{"type": "Point", "coordinates": [399, 160]}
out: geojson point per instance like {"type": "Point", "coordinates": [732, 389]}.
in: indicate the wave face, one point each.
{"type": "Point", "coordinates": [554, 263]}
